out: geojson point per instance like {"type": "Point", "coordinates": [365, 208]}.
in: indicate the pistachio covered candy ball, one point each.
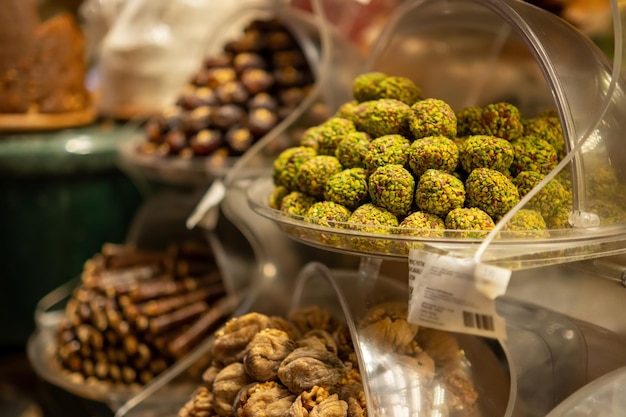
{"type": "Point", "coordinates": [472, 222]}
{"type": "Point", "coordinates": [468, 121]}
{"type": "Point", "coordinates": [345, 110]}
{"type": "Point", "coordinates": [527, 223]}
{"type": "Point", "coordinates": [420, 223]}
{"type": "Point", "coordinates": [328, 213]}
{"type": "Point", "coordinates": [385, 150]}
{"type": "Point", "coordinates": [502, 120]}
{"type": "Point", "coordinates": [533, 154]}
{"type": "Point", "coordinates": [382, 117]}
{"type": "Point", "coordinates": [348, 188]}
{"type": "Point", "coordinates": [315, 172]}
{"type": "Point", "coordinates": [432, 117]}
{"type": "Point", "coordinates": [392, 187]}
{"type": "Point", "coordinates": [369, 218]}
{"type": "Point", "coordinates": [438, 192]}
{"type": "Point", "coordinates": [288, 162]}
{"type": "Point", "coordinates": [491, 191]}
{"type": "Point", "coordinates": [547, 126]}
{"type": "Point", "coordinates": [277, 195]}
{"type": "Point", "coordinates": [400, 88]}
{"type": "Point", "coordinates": [432, 152]}
{"type": "Point", "coordinates": [482, 151]}
{"type": "Point", "coordinates": [296, 203]}
{"type": "Point", "coordinates": [328, 134]}
{"type": "Point", "coordinates": [365, 86]}
{"type": "Point", "coordinates": [352, 148]}
{"type": "Point", "coordinates": [548, 199]}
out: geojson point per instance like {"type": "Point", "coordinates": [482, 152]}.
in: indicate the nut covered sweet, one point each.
{"type": "Point", "coordinates": [481, 151]}
{"type": "Point", "coordinates": [438, 192]}
{"type": "Point", "coordinates": [348, 188]}
{"type": "Point", "coordinates": [432, 117]}
{"type": "Point", "coordinates": [490, 191]}
{"type": "Point", "coordinates": [392, 187]}
{"type": "Point", "coordinates": [432, 152]}
{"type": "Point", "coordinates": [472, 221]}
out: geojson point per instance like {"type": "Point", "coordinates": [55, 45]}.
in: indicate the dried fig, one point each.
{"type": "Point", "coordinates": [266, 399]}
{"type": "Point", "coordinates": [226, 386]}
{"type": "Point", "coordinates": [265, 352]}
{"type": "Point", "coordinates": [232, 339]}
{"type": "Point", "coordinates": [310, 318]}
{"type": "Point", "coordinates": [306, 367]}
{"type": "Point", "coordinates": [319, 339]}
{"type": "Point", "coordinates": [330, 407]}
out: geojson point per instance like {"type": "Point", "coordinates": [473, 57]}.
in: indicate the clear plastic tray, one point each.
{"type": "Point", "coordinates": [563, 245]}
{"type": "Point", "coordinates": [316, 285]}
{"type": "Point", "coordinates": [42, 344]}
{"type": "Point", "coordinates": [314, 39]}
{"type": "Point", "coordinates": [543, 349]}
{"type": "Point", "coordinates": [484, 51]}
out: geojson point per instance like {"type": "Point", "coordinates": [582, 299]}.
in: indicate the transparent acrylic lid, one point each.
{"type": "Point", "coordinates": [313, 39]}
{"type": "Point", "coordinates": [472, 53]}
{"type": "Point", "coordinates": [483, 52]}
{"type": "Point", "coordinates": [603, 397]}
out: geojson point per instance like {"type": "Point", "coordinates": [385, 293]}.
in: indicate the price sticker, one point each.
{"type": "Point", "coordinates": [456, 294]}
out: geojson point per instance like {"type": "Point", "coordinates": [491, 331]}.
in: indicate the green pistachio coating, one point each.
{"type": "Point", "coordinates": [370, 218]}
{"type": "Point", "coordinates": [548, 128]}
{"type": "Point", "coordinates": [474, 221]}
{"type": "Point", "coordinates": [288, 162]}
{"type": "Point", "coordinates": [399, 88]}
{"type": "Point", "coordinates": [385, 150]}
{"type": "Point", "coordinates": [365, 86]}
{"type": "Point", "coordinates": [533, 154]}
{"type": "Point", "coordinates": [481, 151]}
{"type": "Point", "coordinates": [420, 223]}
{"type": "Point", "coordinates": [277, 195]}
{"type": "Point", "coordinates": [527, 223]}
{"type": "Point", "coordinates": [385, 116]}
{"type": "Point", "coordinates": [432, 152]}
{"type": "Point", "coordinates": [330, 134]}
{"type": "Point", "coordinates": [392, 187]}
{"type": "Point", "coordinates": [345, 110]}
{"type": "Point", "coordinates": [348, 188]}
{"type": "Point", "coordinates": [327, 213]}
{"type": "Point", "coordinates": [438, 192]}
{"type": "Point", "coordinates": [559, 217]}
{"type": "Point", "coordinates": [311, 137]}
{"type": "Point", "coordinates": [352, 148]}
{"type": "Point", "coordinates": [296, 203]}
{"type": "Point", "coordinates": [548, 198]}
{"type": "Point", "coordinates": [490, 191]}
{"type": "Point", "coordinates": [315, 172]}
{"type": "Point", "coordinates": [468, 121]}
{"type": "Point", "coordinates": [502, 120]}
{"type": "Point", "coordinates": [432, 117]}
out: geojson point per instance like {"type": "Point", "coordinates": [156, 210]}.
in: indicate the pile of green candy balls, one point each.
{"type": "Point", "coordinates": [393, 161]}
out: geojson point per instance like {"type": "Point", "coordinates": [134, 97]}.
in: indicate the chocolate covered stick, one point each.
{"type": "Point", "coordinates": [176, 318]}
{"type": "Point", "coordinates": [185, 341]}
{"type": "Point", "coordinates": [121, 256]}
{"type": "Point", "coordinates": [161, 306]}
{"type": "Point", "coordinates": [147, 290]}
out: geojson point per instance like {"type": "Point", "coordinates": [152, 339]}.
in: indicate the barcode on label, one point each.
{"type": "Point", "coordinates": [478, 321]}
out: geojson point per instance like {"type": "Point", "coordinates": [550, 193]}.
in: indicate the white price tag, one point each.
{"type": "Point", "coordinates": [455, 294]}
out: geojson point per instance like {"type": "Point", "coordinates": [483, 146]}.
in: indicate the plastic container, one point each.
{"type": "Point", "coordinates": [42, 345]}
{"type": "Point", "coordinates": [470, 53]}
{"type": "Point", "coordinates": [327, 93]}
